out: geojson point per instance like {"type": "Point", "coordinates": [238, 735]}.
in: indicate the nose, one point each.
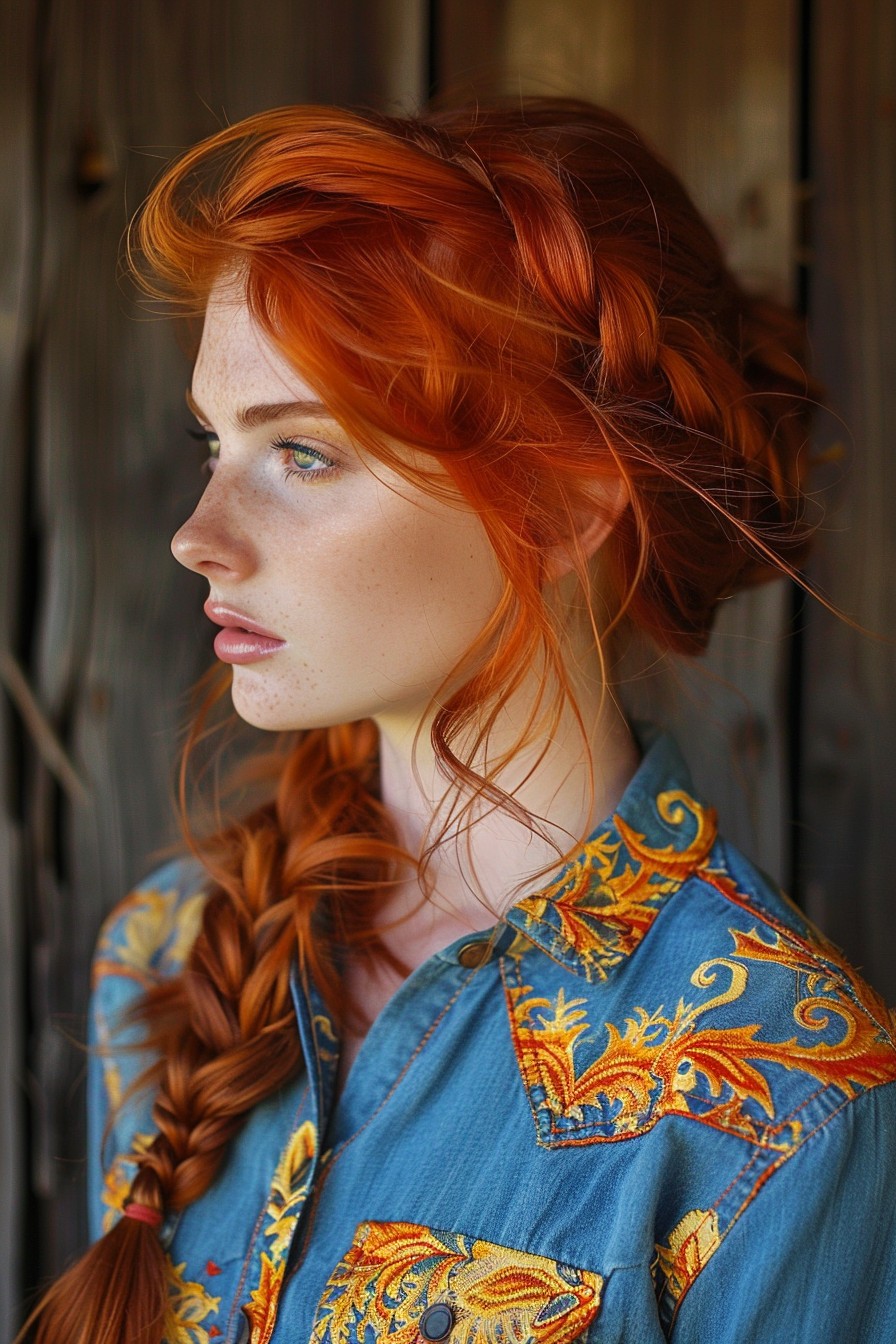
{"type": "Point", "coordinates": [212, 542]}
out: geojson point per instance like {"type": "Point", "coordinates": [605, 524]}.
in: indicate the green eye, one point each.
{"type": "Point", "coordinates": [303, 459]}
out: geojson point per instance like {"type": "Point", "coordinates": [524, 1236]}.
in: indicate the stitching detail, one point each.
{"type": "Point", "coordinates": [325, 1170]}
{"type": "Point", "coordinates": [761, 1181]}
{"type": "Point", "coordinates": [835, 968]}
{"type": "Point", "coordinates": [236, 1304]}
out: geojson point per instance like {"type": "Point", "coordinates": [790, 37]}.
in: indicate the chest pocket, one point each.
{"type": "Point", "coordinates": [409, 1284]}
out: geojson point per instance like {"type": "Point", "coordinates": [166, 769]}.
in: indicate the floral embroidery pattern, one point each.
{"type": "Point", "coordinates": [289, 1190]}
{"type": "Point", "coordinates": [604, 903]}
{"type": "Point", "coordinates": [663, 1063]}
{"type": "Point", "coordinates": [691, 1244]}
{"type": "Point", "coordinates": [394, 1271]}
{"type": "Point", "coordinates": [189, 1304]}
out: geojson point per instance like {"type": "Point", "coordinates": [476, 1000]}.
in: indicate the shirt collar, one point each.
{"type": "Point", "coordinates": [602, 904]}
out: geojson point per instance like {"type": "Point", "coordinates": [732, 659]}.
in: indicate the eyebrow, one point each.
{"type": "Point", "coordinates": [251, 417]}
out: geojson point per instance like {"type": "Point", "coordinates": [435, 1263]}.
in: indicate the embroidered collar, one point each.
{"type": "Point", "coordinates": [603, 903]}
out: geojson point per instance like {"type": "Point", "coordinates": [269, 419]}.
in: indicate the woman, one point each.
{"type": "Point", "coordinates": [476, 1030]}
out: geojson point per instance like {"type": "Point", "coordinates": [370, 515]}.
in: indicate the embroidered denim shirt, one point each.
{"type": "Point", "coordinates": [659, 1107]}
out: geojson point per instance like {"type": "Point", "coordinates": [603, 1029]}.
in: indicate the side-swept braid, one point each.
{"type": "Point", "coordinates": [223, 1031]}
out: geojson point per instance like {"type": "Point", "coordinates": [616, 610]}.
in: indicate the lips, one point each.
{"type": "Point", "coordinates": [241, 640]}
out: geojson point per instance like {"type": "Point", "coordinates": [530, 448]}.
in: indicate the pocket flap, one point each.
{"type": "Point", "coordinates": [408, 1284]}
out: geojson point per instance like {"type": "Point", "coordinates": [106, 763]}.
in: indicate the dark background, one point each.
{"type": "Point", "coordinates": [781, 116]}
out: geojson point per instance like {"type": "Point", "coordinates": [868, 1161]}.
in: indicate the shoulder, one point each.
{"type": "Point", "coordinates": [148, 935]}
{"type": "Point", "coordinates": [664, 995]}
{"type": "Point", "coordinates": [144, 940]}
{"type": "Point", "coordinates": [680, 981]}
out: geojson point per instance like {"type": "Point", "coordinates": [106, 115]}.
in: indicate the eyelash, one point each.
{"type": "Point", "coordinates": [280, 446]}
{"type": "Point", "coordinates": [288, 446]}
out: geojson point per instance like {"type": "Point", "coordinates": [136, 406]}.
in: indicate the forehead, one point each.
{"type": "Point", "coordinates": [237, 363]}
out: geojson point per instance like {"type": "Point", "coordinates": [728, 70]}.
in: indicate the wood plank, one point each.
{"type": "Point", "coordinates": [17, 233]}
{"type": "Point", "coordinates": [849, 784]}
{"type": "Point", "coordinates": [712, 86]}
{"type": "Point", "coordinates": [121, 632]}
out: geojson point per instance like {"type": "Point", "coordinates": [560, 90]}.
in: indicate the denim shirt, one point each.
{"type": "Point", "coordinates": [656, 1105]}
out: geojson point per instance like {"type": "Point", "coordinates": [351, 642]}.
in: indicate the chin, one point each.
{"type": "Point", "coordinates": [262, 706]}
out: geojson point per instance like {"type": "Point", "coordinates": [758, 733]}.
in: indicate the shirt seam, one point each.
{"type": "Point", "coordinates": [236, 1305]}
{"type": "Point", "coordinates": [346, 1144]}
{"type": "Point", "coordinates": [762, 1180]}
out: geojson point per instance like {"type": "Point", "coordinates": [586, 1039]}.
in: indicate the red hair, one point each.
{"type": "Point", "coordinates": [526, 295]}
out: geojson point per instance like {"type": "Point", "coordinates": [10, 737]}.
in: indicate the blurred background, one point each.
{"type": "Point", "coordinates": [780, 115]}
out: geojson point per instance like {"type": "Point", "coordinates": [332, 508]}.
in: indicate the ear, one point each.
{"type": "Point", "coordinates": [591, 533]}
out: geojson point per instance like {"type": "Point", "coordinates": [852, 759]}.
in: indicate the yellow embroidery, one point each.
{"type": "Point", "coordinates": [605, 902]}
{"type": "Point", "coordinates": [288, 1192]}
{"type": "Point", "coordinates": [189, 1304]}
{"type": "Point", "coordinates": [691, 1244]}
{"type": "Point", "coordinates": [149, 926]}
{"type": "Point", "coordinates": [660, 1064]}
{"type": "Point", "coordinates": [393, 1271]}
{"type": "Point", "coordinates": [289, 1188]}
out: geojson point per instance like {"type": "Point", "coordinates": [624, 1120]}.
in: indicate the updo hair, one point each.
{"type": "Point", "coordinates": [527, 294]}
{"type": "Point", "coordinates": [524, 294]}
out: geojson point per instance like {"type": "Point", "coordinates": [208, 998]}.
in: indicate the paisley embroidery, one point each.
{"type": "Point", "coordinates": [604, 903]}
{"type": "Point", "coordinates": [393, 1271]}
{"type": "Point", "coordinates": [289, 1190]}
{"type": "Point", "coordinates": [694, 1061]}
{"type": "Point", "coordinates": [690, 1245]}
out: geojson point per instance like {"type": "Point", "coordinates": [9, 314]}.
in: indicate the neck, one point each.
{"type": "Point", "coordinates": [561, 787]}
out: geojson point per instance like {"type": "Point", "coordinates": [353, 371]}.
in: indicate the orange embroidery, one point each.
{"type": "Point", "coordinates": [261, 1310]}
{"type": "Point", "coordinates": [691, 1244]}
{"type": "Point", "coordinates": [660, 1064]}
{"type": "Point", "coordinates": [605, 902]}
{"type": "Point", "coordinates": [393, 1271]}
{"type": "Point", "coordinates": [289, 1190]}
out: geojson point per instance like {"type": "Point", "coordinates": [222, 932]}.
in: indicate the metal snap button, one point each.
{"type": "Point", "coordinates": [472, 955]}
{"type": "Point", "coordinates": [436, 1321]}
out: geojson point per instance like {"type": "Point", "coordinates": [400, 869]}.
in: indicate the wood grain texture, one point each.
{"type": "Point", "coordinates": [849, 775]}
{"type": "Point", "coordinates": [17, 227]}
{"type": "Point", "coordinates": [712, 87]}
{"type": "Point", "coordinates": [121, 632]}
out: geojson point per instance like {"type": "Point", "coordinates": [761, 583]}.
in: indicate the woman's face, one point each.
{"type": "Point", "coordinates": [343, 591]}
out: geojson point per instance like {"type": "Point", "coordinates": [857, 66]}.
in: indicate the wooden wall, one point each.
{"type": "Point", "coordinates": [17, 223]}
{"type": "Point", "coordinates": [97, 474]}
{"type": "Point", "coordinates": [114, 634]}
{"type": "Point", "coordinates": [847, 851]}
